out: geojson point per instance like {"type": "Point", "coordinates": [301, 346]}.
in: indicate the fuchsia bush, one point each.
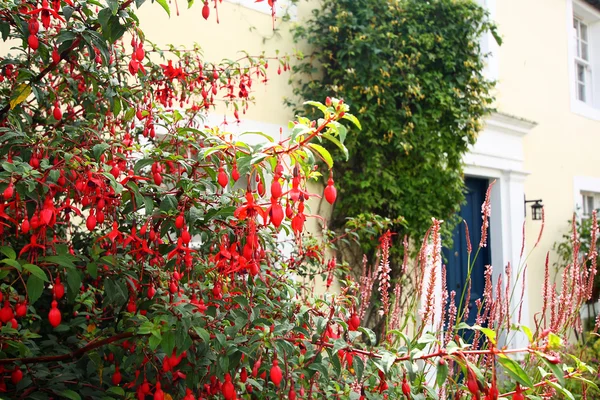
{"type": "Point", "coordinates": [132, 267]}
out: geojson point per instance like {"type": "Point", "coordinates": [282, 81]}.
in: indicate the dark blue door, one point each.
{"type": "Point", "coordinates": [457, 257]}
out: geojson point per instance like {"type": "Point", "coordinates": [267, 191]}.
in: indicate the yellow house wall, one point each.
{"type": "Point", "coordinates": [534, 83]}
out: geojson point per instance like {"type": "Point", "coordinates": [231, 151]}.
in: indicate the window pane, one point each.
{"type": "Point", "coordinates": [583, 31]}
{"type": "Point", "coordinates": [575, 23]}
{"type": "Point", "coordinates": [581, 92]}
{"type": "Point", "coordinates": [584, 51]}
{"type": "Point", "coordinates": [580, 73]}
{"type": "Point", "coordinates": [590, 204]}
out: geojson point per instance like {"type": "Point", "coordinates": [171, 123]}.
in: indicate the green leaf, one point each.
{"type": "Point", "coordinates": [203, 333]}
{"type": "Point", "coordinates": [338, 144]}
{"type": "Point", "coordinates": [322, 151]}
{"type": "Point", "coordinates": [320, 106]}
{"type": "Point", "coordinates": [528, 333]}
{"type": "Point", "coordinates": [164, 5]}
{"type": "Point", "coordinates": [8, 252]}
{"type": "Point", "coordinates": [35, 287]}
{"type": "Point", "coordinates": [98, 149]}
{"type": "Point", "coordinates": [13, 263]}
{"type": "Point", "coordinates": [562, 390]}
{"type": "Point", "coordinates": [491, 335]}
{"type": "Point", "coordinates": [514, 370]}
{"type": "Point", "coordinates": [370, 334]}
{"type": "Point", "coordinates": [69, 394]}
{"type": "Point", "coordinates": [168, 342]}
{"type": "Point", "coordinates": [353, 119]}
{"type": "Point", "coordinates": [74, 283]}
{"type": "Point", "coordinates": [554, 341]}
{"type": "Point", "coordinates": [269, 138]}
{"type": "Point", "coordinates": [35, 270]}
{"type": "Point", "coordinates": [145, 162]}
{"type": "Point", "coordinates": [359, 367]}
{"type": "Point", "coordinates": [442, 374]}
{"type": "Point", "coordinates": [555, 368]}
{"type": "Point", "coordinates": [154, 342]}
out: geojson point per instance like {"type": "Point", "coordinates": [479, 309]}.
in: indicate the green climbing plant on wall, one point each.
{"type": "Point", "coordinates": [412, 70]}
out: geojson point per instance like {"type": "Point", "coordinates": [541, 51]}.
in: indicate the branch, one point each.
{"type": "Point", "coordinates": [68, 356]}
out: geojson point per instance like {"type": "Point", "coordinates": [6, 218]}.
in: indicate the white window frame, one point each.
{"type": "Point", "coordinates": [583, 187]}
{"type": "Point", "coordinates": [587, 102]}
{"type": "Point", "coordinates": [489, 46]}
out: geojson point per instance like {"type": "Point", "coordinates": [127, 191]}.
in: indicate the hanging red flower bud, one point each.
{"type": "Point", "coordinates": [472, 384]}
{"type": "Point", "coordinates": [275, 373]}
{"type": "Point", "coordinates": [235, 174]}
{"type": "Point", "coordinates": [25, 226]}
{"type": "Point", "coordinates": [58, 289]}
{"type": "Point", "coordinates": [140, 53]}
{"type": "Point", "coordinates": [6, 313]}
{"type": "Point", "coordinates": [54, 316]}
{"type": "Point", "coordinates": [151, 292]}
{"type": "Point", "coordinates": [9, 191]}
{"type": "Point", "coordinates": [16, 376]}
{"type": "Point", "coordinates": [116, 378]}
{"type": "Point", "coordinates": [179, 221]}
{"type": "Point", "coordinates": [243, 375]}
{"type": "Point", "coordinates": [33, 42]}
{"type": "Point", "coordinates": [205, 10]}
{"type": "Point", "coordinates": [330, 192]}
{"type": "Point", "coordinates": [518, 395]}
{"type": "Point", "coordinates": [158, 393]}
{"type": "Point", "coordinates": [405, 388]}
{"type": "Point", "coordinates": [276, 190]}
{"type": "Point", "coordinates": [222, 178]}
{"type": "Point", "coordinates": [57, 113]}
{"type": "Point", "coordinates": [21, 310]}
{"type": "Point", "coordinates": [353, 322]}
{"type": "Point", "coordinates": [227, 389]}
{"type": "Point", "coordinates": [90, 223]}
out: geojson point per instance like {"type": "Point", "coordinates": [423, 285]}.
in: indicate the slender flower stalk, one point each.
{"type": "Point", "coordinates": [486, 211]}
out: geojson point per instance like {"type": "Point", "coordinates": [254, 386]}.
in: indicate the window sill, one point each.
{"type": "Point", "coordinates": [585, 110]}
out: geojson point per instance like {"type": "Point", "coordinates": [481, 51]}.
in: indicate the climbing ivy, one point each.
{"type": "Point", "coordinates": [412, 71]}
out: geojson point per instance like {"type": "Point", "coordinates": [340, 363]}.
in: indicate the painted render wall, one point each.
{"type": "Point", "coordinates": [534, 83]}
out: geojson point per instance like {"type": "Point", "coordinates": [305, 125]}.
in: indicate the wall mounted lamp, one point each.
{"type": "Point", "coordinates": [536, 209]}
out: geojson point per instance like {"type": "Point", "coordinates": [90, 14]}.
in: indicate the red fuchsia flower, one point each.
{"type": "Point", "coordinates": [46, 12]}
{"type": "Point", "coordinates": [249, 209]}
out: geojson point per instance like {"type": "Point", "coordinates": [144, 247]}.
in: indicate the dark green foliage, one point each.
{"type": "Point", "coordinates": [412, 72]}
